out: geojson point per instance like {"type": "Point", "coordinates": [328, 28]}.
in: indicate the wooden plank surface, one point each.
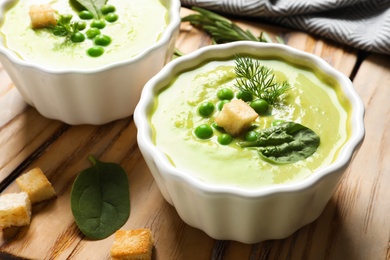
{"type": "Point", "coordinates": [354, 225]}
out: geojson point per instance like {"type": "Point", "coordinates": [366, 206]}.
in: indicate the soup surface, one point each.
{"type": "Point", "coordinates": [311, 101]}
{"type": "Point", "coordinates": [139, 25]}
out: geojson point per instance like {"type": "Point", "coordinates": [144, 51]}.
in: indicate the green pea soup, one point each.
{"type": "Point", "coordinates": [314, 100]}
{"type": "Point", "coordinates": [139, 25]}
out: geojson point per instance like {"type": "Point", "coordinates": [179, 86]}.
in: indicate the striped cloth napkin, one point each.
{"type": "Point", "coordinates": [362, 24]}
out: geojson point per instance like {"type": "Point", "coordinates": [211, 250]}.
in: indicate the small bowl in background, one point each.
{"type": "Point", "coordinates": [228, 212]}
{"type": "Point", "coordinates": [90, 96]}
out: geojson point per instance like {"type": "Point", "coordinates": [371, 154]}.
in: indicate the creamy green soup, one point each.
{"type": "Point", "coordinates": [311, 101]}
{"type": "Point", "coordinates": [140, 24]}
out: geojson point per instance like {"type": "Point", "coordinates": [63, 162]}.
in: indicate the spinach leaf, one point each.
{"type": "Point", "coordinates": [94, 6]}
{"type": "Point", "coordinates": [288, 142]}
{"type": "Point", "coordinates": [100, 199]}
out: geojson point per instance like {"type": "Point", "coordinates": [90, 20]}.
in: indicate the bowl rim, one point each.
{"type": "Point", "coordinates": [174, 23]}
{"type": "Point", "coordinates": [178, 65]}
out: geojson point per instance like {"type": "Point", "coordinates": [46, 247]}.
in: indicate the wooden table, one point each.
{"type": "Point", "coordinates": [354, 225]}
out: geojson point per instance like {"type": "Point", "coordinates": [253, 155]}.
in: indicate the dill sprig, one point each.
{"type": "Point", "coordinates": [221, 29]}
{"type": "Point", "coordinates": [258, 80]}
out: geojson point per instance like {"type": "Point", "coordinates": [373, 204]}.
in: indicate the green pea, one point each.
{"type": "Point", "coordinates": [100, 24]}
{"type": "Point", "coordinates": [222, 103]}
{"type": "Point", "coordinates": [111, 17]}
{"type": "Point", "coordinates": [203, 131]}
{"type": "Point", "coordinates": [102, 40]}
{"type": "Point", "coordinates": [206, 109]}
{"type": "Point", "coordinates": [244, 95]}
{"type": "Point", "coordinates": [225, 139]}
{"type": "Point", "coordinates": [92, 33]}
{"type": "Point", "coordinates": [277, 122]}
{"type": "Point", "coordinates": [86, 15]}
{"type": "Point", "coordinates": [108, 9]}
{"type": "Point", "coordinates": [95, 51]}
{"type": "Point", "coordinates": [251, 136]}
{"type": "Point", "coordinates": [217, 127]}
{"type": "Point", "coordinates": [225, 93]}
{"type": "Point", "coordinates": [77, 37]}
{"type": "Point", "coordinates": [259, 105]}
{"type": "Point", "coordinates": [81, 25]}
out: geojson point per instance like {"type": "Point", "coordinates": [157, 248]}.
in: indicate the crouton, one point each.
{"type": "Point", "coordinates": [236, 116]}
{"type": "Point", "coordinates": [36, 185]}
{"type": "Point", "coordinates": [15, 210]}
{"type": "Point", "coordinates": [42, 16]}
{"type": "Point", "coordinates": [134, 244]}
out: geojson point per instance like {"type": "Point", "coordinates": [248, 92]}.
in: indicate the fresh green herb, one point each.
{"type": "Point", "coordinates": [94, 6]}
{"type": "Point", "coordinates": [221, 29]}
{"type": "Point", "coordinates": [64, 27]}
{"type": "Point", "coordinates": [288, 142]}
{"type": "Point", "coordinates": [258, 80]}
{"type": "Point", "coordinates": [100, 199]}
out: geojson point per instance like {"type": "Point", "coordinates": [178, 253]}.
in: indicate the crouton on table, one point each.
{"type": "Point", "coordinates": [132, 245]}
{"type": "Point", "coordinates": [15, 210]}
{"type": "Point", "coordinates": [36, 184]}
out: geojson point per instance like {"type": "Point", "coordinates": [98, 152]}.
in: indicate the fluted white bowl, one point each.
{"type": "Point", "coordinates": [234, 213]}
{"type": "Point", "coordinates": [90, 96]}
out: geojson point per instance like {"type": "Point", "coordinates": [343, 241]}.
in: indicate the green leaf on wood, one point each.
{"type": "Point", "coordinates": [288, 142]}
{"type": "Point", "coordinates": [100, 199]}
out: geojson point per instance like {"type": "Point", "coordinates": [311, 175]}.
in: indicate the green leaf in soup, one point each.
{"type": "Point", "coordinates": [288, 142]}
{"type": "Point", "coordinates": [100, 199]}
{"type": "Point", "coordinates": [76, 5]}
{"type": "Point", "coordinates": [94, 6]}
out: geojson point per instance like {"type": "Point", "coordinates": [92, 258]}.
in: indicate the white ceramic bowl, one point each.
{"type": "Point", "coordinates": [231, 213]}
{"type": "Point", "coordinates": [90, 96]}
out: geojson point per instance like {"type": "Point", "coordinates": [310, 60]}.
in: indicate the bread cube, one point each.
{"type": "Point", "coordinates": [236, 116]}
{"type": "Point", "coordinates": [42, 16]}
{"type": "Point", "coordinates": [15, 210]}
{"type": "Point", "coordinates": [132, 244]}
{"type": "Point", "coordinates": [37, 186]}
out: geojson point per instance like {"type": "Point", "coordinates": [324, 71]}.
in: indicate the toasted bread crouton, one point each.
{"type": "Point", "coordinates": [236, 116]}
{"type": "Point", "coordinates": [15, 210]}
{"type": "Point", "coordinates": [42, 16]}
{"type": "Point", "coordinates": [36, 184]}
{"type": "Point", "coordinates": [134, 244]}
